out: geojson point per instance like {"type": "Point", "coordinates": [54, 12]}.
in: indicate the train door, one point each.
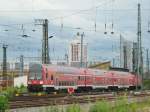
{"type": "Point", "coordinates": [85, 80]}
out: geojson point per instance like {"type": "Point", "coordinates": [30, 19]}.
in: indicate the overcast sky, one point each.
{"type": "Point", "coordinates": [72, 14]}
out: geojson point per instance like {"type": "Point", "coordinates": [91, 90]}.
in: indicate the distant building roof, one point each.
{"type": "Point", "coordinates": [101, 65]}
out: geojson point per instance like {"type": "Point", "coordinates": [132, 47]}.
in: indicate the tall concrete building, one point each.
{"type": "Point", "coordinates": [75, 48]}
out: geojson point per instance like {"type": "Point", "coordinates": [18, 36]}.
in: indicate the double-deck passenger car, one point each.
{"type": "Point", "coordinates": [53, 78]}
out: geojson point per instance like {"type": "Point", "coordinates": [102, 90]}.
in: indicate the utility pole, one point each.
{"type": "Point", "coordinates": [81, 60]}
{"type": "Point", "coordinates": [66, 58]}
{"type": "Point", "coordinates": [125, 56]}
{"type": "Point", "coordinates": [113, 62]}
{"type": "Point", "coordinates": [5, 62]}
{"type": "Point", "coordinates": [120, 50]}
{"type": "Point", "coordinates": [21, 65]}
{"type": "Point", "coordinates": [135, 57]}
{"type": "Point", "coordinates": [147, 64]}
{"type": "Point", "coordinates": [45, 46]}
{"type": "Point", "coordinates": [139, 40]}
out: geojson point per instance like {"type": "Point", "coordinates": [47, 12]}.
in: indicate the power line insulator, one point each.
{"type": "Point", "coordinates": [105, 29]}
{"type": "Point", "coordinates": [148, 27]}
{"type": "Point", "coordinates": [5, 30]}
{"type": "Point", "coordinates": [95, 27]}
{"type": "Point", "coordinates": [33, 30]}
{"type": "Point", "coordinates": [112, 32]}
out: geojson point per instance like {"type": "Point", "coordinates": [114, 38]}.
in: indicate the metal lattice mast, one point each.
{"type": "Point", "coordinates": [135, 57]}
{"type": "Point", "coordinates": [45, 46]}
{"type": "Point", "coordinates": [125, 56]}
{"type": "Point", "coordinates": [4, 61]}
{"type": "Point", "coordinates": [147, 63]}
{"type": "Point", "coordinates": [21, 65]}
{"type": "Point", "coordinates": [139, 39]}
{"type": "Point", "coordinates": [81, 60]}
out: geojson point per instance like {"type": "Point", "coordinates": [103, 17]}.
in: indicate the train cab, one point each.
{"type": "Point", "coordinates": [35, 78]}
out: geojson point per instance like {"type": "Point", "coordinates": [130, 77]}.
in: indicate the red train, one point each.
{"type": "Point", "coordinates": [52, 78]}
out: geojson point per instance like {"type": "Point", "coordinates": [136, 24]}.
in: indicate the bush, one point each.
{"type": "Point", "coordinates": [10, 91]}
{"type": "Point", "coordinates": [3, 103]}
{"type": "Point", "coordinates": [21, 89]}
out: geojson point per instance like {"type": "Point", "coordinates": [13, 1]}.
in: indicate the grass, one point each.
{"type": "Point", "coordinates": [146, 84]}
{"type": "Point", "coordinates": [73, 108]}
{"type": "Point", "coordinates": [7, 94]}
{"type": "Point", "coordinates": [102, 106]}
{"type": "Point", "coordinates": [120, 105]}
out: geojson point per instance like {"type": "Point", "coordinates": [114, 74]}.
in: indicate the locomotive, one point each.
{"type": "Point", "coordinates": [50, 78]}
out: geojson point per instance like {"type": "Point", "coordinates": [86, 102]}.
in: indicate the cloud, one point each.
{"type": "Point", "coordinates": [25, 11]}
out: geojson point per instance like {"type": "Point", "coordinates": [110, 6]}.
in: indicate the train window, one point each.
{"type": "Point", "coordinates": [51, 77]}
{"type": "Point", "coordinates": [88, 78]}
{"type": "Point", "coordinates": [72, 83]}
{"type": "Point", "coordinates": [65, 84]}
{"type": "Point", "coordinates": [35, 69]}
{"type": "Point", "coordinates": [46, 73]}
{"type": "Point", "coordinates": [59, 83]}
{"type": "Point", "coordinates": [82, 78]}
{"type": "Point", "coordinates": [79, 78]}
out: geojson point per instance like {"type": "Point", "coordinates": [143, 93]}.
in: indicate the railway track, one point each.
{"type": "Point", "coordinates": [63, 99]}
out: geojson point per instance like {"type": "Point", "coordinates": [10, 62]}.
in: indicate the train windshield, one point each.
{"type": "Point", "coordinates": [35, 72]}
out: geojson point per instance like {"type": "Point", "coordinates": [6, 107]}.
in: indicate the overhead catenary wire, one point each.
{"type": "Point", "coordinates": [112, 25]}
{"type": "Point", "coordinates": [82, 11]}
{"type": "Point", "coordinates": [95, 22]}
{"type": "Point", "coordinates": [61, 24]}
{"type": "Point", "coordinates": [105, 32]}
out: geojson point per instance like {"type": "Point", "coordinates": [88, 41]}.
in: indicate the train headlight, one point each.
{"type": "Point", "coordinates": [29, 82]}
{"type": "Point", "coordinates": [41, 82]}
